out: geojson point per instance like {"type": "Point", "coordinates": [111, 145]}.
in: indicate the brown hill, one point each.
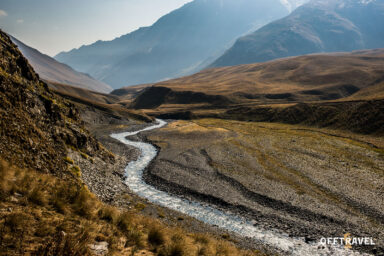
{"type": "Point", "coordinates": [98, 108]}
{"type": "Point", "coordinates": [130, 92]}
{"type": "Point", "coordinates": [50, 69]}
{"type": "Point", "coordinates": [342, 90]}
{"type": "Point", "coordinates": [83, 93]}
{"type": "Point", "coordinates": [305, 78]}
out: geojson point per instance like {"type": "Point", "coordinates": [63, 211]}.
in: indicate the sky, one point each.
{"type": "Point", "coordinates": [52, 26]}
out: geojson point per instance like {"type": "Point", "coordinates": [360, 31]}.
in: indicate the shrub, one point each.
{"type": "Point", "coordinates": [65, 244]}
{"type": "Point", "coordinates": [156, 236]}
{"type": "Point", "coordinates": [203, 251]}
{"type": "Point", "coordinates": [140, 206]}
{"type": "Point", "coordinates": [68, 160]}
{"type": "Point", "coordinates": [76, 171]}
{"type": "Point", "coordinates": [37, 196]}
{"type": "Point", "coordinates": [202, 238]}
{"type": "Point", "coordinates": [108, 214]}
{"type": "Point", "coordinates": [83, 155]}
{"type": "Point", "coordinates": [125, 222]}
{"type": "Point", "coordinates": [174, 249]}
{"type": "Point", "coordinates": [16, 221]}
{"type": "Point", "coordinates": [59, 204]}
{"type": "Point", "coordinates": [84, 204]}
{"type": "Point", "coordinates": [136, 238]}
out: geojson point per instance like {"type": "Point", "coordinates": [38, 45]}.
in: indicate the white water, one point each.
{"type": "Point", "coordinates": [208, 214]}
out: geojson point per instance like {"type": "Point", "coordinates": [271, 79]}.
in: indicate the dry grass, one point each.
{"type": "Point", "coordinates": [42, 215]}
{"type": "Point", "coordinates": [292, 75]}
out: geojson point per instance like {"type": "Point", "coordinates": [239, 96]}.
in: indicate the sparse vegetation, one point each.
{"type": "Point", "coordinates": [156, 236]}
{"type": "Point", "coordinates": [68, 160]}
{"type": "Point", "coordinates": [76, 171]}
{"type": "Point", "coordinates": [273, 165]}
{"type": "Point", "coordinates": [56, 217]}
{"type": "Point", "coordinates": [83, 155]}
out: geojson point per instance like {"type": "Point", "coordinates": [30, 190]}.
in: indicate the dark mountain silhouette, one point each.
{"type": "Point", "coordinates": [51, 70]}
{"type": "Point", "coordinates": [179, 43]}
{"type": "Point", "coordinates": [318, 26]}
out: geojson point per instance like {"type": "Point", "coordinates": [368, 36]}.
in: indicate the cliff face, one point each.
{"type": "Point", "coordinates": [36, 126]}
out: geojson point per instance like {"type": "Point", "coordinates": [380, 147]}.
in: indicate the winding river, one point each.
{"type": "Point", "coordinates": [209, 214]}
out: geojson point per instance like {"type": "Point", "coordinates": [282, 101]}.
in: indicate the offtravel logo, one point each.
{"type": "Point", "coordinates": [348, 241]}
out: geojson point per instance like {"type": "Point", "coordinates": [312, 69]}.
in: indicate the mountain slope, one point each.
{"type": "Point", "coordinates": [179, 43]}
{"type": "Point", "coordinates": [318, 26]}
{"type": "Point", "coordinates": [52, 70]}
{"type": "Point", "coordinates": [36, 126]}
{"type": "Point", "coordinates": [305, 78]}
{"type": "Point", "coordinates": [343, 91]}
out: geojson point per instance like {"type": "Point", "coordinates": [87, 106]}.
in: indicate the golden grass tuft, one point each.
{"type": "Point", "coordinates": [68, 160]}
{"type": "Point", "coordinates": [61, 217]}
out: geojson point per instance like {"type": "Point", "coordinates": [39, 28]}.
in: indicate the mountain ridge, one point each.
{"type": "Point", "coordinates": [51, 70]}
{"type": "Point", "coordinates": [315, 27]}
{"type": "Point", "coordinates": [177, 44]}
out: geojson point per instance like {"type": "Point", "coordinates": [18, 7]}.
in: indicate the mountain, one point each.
{"type": "Point", "coordinates": [51, 70]}
{"type": "Point", "coordinates": [318, 26]}
{"type": "Point", "coordinates": [179, 43]}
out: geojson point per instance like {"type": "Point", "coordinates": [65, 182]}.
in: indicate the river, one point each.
{"type": "Point", "coordinates": [209, 214]}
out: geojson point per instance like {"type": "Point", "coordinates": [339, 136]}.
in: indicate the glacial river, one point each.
{"type": "Point", "coordinates": [209, 214]}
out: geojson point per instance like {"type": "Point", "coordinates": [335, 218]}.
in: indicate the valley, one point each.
{"type": "Point", "coordinates": [302, 157]}
{"type": "Point", "coordinates": [225, 128]}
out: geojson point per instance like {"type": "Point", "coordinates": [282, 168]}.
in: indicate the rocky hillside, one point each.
{"type": "Point", "coordinates": [179, 43]}
{"type": "Point", "coordinates": [318, 26]}
{"type": "Point", "coordinates": [36, 126]}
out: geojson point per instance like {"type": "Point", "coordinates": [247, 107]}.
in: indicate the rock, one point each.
{"type": "Point", "coordinates": [99, 249]}
{"type": "Point", "coordinates": [122, 242]}
{"type": "Point", "coordinates": [13, 199]}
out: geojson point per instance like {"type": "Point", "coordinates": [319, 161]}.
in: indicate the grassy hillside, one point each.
{"type": "Point", "coordinates": [63, 218]}
{"type": "Point", "coordinates": [341, 90]}
{"type": "Point", "coordinates": [305, 78]}
{"type": "Point", "coordinates": [83, 93]}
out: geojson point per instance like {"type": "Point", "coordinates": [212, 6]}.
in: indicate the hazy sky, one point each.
{"type": "Point", "coordinates": [52, 26]}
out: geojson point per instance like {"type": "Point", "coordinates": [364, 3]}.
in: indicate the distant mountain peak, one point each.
{"type": "Point", "coordinates": [317, 26]}
{"type": "Point", "coordinates": [293, 4]}
{"type": "Point", "coordinates": [179, 43]}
